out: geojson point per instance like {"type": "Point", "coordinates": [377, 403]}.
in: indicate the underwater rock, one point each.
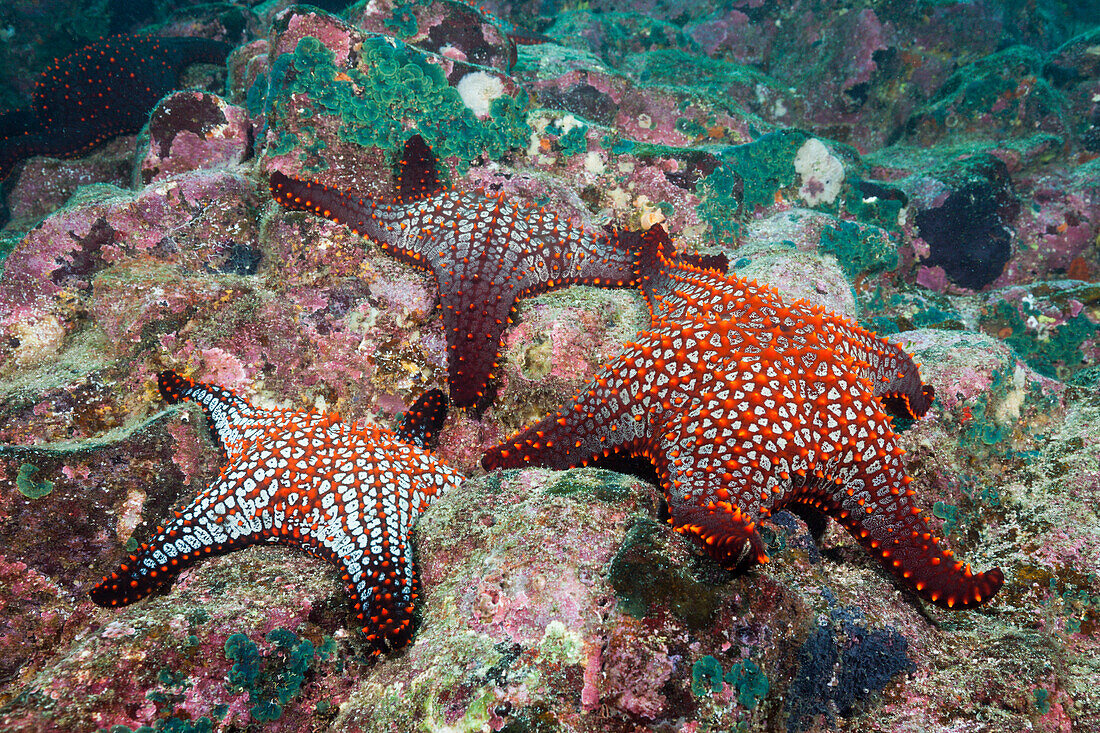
{"type": "Point", "coordinates": [1074, 68]}
{"type": "Point", "coordinates": [463, 32]}
{"type": "Point", "coordinates": [1001, 95]}
{"type": "Point", "coordinates": [45, 184]}
{"type": "Point", "coordinates": [192, 130]}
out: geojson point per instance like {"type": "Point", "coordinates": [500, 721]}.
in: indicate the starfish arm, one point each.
{"type": "Point", "coordinates": [215, 523]}
{"type": "Point", "coordinates": [373, 559]}
{"type": "Point", "coordinates": [361, 215]}
{"type": "Point", "coordinates": [227, 413]}
{"type": "Point", "coordinates": [611, 414]}
{"type": "Point", "coordinates": [375, 553]}
{"type": "Point", "coordinates": [474, 320]}
{"type": "Point", "coordinates": [419, 171]}
{"type": "Point", "coordinates": [571, 255]}
{"type": "Point", "coordinates": [421, 423]}
{"type": "Point", "coordinates": [892, 528]}
{"type": "Point", "coordinates": [384, 583]}
{"type": "Point", "coordinates": [725, 532]}
{"type": "Point", "coordinates": [892, 373]}
{"type": "Point", "coordinates": [857, 477]}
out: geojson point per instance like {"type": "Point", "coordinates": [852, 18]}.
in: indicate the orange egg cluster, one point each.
{"type": "Point", "coordinates": [485, 253]}
{"type": "Point", "coordinates": [746, 405]}
{"type": "Point", "coordinates": [348, 495]}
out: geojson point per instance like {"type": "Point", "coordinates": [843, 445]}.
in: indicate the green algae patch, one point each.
{"type": "Point", "coordinates": [1052, 350]}
{"type": "Point", "coordinates": [750, 682]}
{"type": "Point", "coordinates": [395, 88]}
{"type": "Point", "coordinates": [28, 486]}
{"type": "Point", "coordinates": [607, 486]}
{"type": "Point", "coordinates": [1004, 92]}
{"type": "Point", "coordinates": [274, 679]}
{"type": "Point", "coordinates": [706, 676]}
{"type": "Point", "coordinates": [403, 21]}
{"type": "Point", "coordinates": [860, 250]}
{"type": "Point", "coordinates": [894, 312]}
{"type": "Point", "coordinates": [647, 577]}
{"type": "Point", "coordinates": [748, 177]}
{"type": "Point", "coordinates": [881, 208]}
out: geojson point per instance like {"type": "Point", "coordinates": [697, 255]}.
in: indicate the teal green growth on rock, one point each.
{"type": "Point", "coordinates": [745, 677]}
{"type": "Point", "coordinates": [749, 176]}
{"type": "Point", "coordinates": [170, 725]}
{"type": "Point", "coordinates": [27, 485]}
{"type": "Point", "coordinates": [706, 676]}
{"type": "Point", "coordinates": [860, 250]}
{"type": "Point", "coordinates": [273, 680]}
{"type": "Point", "coordinates": [1053, 351]}
{"type": "Point", "coordinates": [750, 682]}
{"type": "Point", "coordinates": [403, 21]}
{"type": "Point", "coordinates": [396, 87]}
{"type": "Point", "coordinates": [949, 514]}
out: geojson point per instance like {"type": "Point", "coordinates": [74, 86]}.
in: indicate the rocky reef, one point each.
{"type": "Point", "coordinates": [930, 170]}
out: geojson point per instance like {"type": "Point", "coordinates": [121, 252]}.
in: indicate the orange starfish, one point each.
{"type": "Point", "coordinates": [346, 494]}
{"type": "Point", "coordinates": [747, 405]}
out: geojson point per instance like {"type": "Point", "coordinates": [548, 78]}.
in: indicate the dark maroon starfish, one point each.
{"type": "Point", "coordinates": [98, 92]}
{"type": "Point", "coordinates": [485, 253]}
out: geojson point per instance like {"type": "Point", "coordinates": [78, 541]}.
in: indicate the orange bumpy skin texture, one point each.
{"type": "Point", "coordinates": [485, 253]}
{"type": "Point", "coordinates": [746, 405]}
{"type": "Point", "coordinates": [346, 494]}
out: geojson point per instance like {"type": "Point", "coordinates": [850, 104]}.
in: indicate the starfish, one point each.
{"type": "Point", "coordinates": [97, 92]}
{"type": "Point", "coordinates": [485, 254]}
{"type": "Point", "coordinates": [346, 494]}
{"type": "Point", "coordinates": [746, 405]}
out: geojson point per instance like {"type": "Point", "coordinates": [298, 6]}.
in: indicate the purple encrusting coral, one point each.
{"type": "Point", "coordinates": [929, 171]}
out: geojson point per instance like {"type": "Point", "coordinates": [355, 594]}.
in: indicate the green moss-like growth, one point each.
{"type": "Point", "coordinates": [574, 142]}
{"type": "Point", "coordinates": [860, 250]}
{"type": "Point", "coordinates": [257, 93]}
{"type": "Point", "coordinates": [750, 682]}
{"type": "Point", "coordinates": [403, 22]}
{"type": "Point", "coordinates": [748, 176]}
{"type": "Point", "coordinates": [27, 485]}
{"type": "Point", "coordinates": [607, 486]}
{"type": "Point", "coordinates": [879, 210]}
{"type": "Point", "coordinates": [678, 68]}
{"type": "Point", "coordinates": [1042, 700]}
{"type": "Point", "coordinates": [1004, 88]}
{"type": "Point", "coordinates": [273, 680]}
{"type": "Point", "coordinates": [170, 725]}
{"type": "Point", "coordinates": [398, 87]}
{"type": "Point", "coordinates": [1053, 351]}
{"type": "Point", "coordinates": [647, 579]}
{"type": "Point", "coordinates": [949, 514]}
{"type": "Point", "coordinates": [706, 676]}
{"type": "Point", "coordinates": [895, 312]}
